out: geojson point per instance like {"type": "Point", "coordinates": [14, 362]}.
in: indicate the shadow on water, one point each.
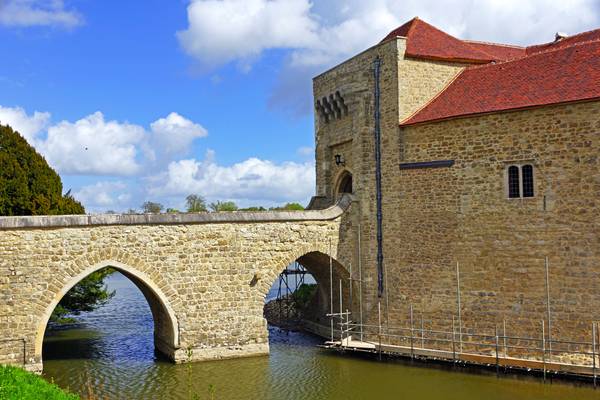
{"type": "Point", "coordinates": [111, 351]}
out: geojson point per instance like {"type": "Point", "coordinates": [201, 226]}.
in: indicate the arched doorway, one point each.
{"type": "Point", "coordinates": [164, 323]}
{"type": "Point", "coordinates": [344, 183]}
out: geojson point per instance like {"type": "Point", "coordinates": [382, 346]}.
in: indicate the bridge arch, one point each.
{"type": "Point", "coordinates": [166, 326]}
{"type": "Point", "coordinates": [315, 259]}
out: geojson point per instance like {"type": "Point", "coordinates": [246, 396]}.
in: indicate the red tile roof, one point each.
{"type": "Point", "coordinates": [568, 41]}
{"type": "Point", "coordinates": [428, 42]}
{"type": "Point", "coordinates": [560, 75]}
{"type": "Point", "coordinates": [500, 52]}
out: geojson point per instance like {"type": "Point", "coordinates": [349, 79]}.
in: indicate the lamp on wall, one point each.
{"type": "Point", "coordinates": [339, 159]}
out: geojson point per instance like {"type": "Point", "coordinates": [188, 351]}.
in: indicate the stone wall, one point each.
{"type": "Point", "coordinates": [438, 217]}
{"type": "Point", "coordinates": [205, 279]}
{"type": "Point", "coordinates": [435, 218]}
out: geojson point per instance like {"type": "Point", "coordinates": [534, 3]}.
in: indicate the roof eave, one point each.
{"type": "Point", "coordinates": [407, 123]}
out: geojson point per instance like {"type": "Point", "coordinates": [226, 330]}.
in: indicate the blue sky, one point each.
{"type": "Point", "coordinates": [153, 100]}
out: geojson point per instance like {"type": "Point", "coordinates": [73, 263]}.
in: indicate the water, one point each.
{"type": "Point", "coordinates": [110, 353]}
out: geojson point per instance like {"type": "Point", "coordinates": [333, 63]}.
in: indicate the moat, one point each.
{"type": "Point", "coordinates": [110, 353]}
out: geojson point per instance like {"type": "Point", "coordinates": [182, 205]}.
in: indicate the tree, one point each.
{"type": "Point", "coordinates": [173, 211]}
{"type": "Point", "coordinates": [253, 208]}
{"type": "Point", "coordinates": [28, 186]}
{"type": "Point", "coordinates": [152, 207]}
{"type": "Point", "coordinates": [223, 206]}
{"type": "Point", "coordinates": [89, 294]}
{"type": "Point", "coordinates": [289, 207]}
{"type": "Point", "coordinates": [195, 203]}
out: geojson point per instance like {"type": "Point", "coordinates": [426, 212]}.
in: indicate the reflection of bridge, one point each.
{"type": "Point", "coordinates": [204, 275]}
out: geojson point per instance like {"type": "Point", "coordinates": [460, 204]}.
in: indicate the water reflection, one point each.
{"type": "Point", "coordinates": [111, 352]}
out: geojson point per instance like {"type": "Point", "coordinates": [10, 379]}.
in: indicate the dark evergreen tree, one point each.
{"type": "Point", "coordinates": [28, 186]}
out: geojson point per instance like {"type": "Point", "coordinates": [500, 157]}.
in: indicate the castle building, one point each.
{"type": "Point", "coordinates": [475, 169]}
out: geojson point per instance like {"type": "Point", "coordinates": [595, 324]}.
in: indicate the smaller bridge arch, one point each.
{"type": "Point", "coordinates": [166, 327]}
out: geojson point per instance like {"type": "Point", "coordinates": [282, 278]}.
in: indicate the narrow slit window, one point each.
{"type": "Point", "coordinates": [527, 173]}
{"type": "Point", "coordinates": [513, 182]}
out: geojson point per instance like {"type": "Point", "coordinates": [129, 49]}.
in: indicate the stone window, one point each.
{"type": "Point", "coordinates": [520, 181]}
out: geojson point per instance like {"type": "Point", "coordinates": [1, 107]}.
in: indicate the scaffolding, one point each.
{"type": "Point", "coordinates": [290, 280]}
{"type": "Point", "coordinates": [463, 345]}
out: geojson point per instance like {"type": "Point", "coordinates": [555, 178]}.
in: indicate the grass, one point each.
{"type": "Point", "coordinates": [16, 383]}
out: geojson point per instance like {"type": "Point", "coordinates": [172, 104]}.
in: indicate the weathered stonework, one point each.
{"type": "Point", "coordinates": [205, 279]}
{"type": "Point", "coordinates": [434, 218]}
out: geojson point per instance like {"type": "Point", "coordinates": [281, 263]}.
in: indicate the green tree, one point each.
{"type": "Point", "coordinates": [289, 207]}
{"type": "Point", "coordinates": [195, 203]}
{"type": "Point", "coordinates": [173, 211]}
{"type": "Point", "coordinates": [28, 186]}
{"type": "Point", "coordinates": [223, 206]}
{"type": "Point", "coordinates": [89, 294]}
{"type": "Point", "coordinates": [152, 207]}
{"type": "Point", "coordinates": [253, 208]}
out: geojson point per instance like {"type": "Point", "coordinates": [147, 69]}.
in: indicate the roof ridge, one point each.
{"type": "Point", "coordinates": [568, 37]}
{"type": "Point", "coordinates": [459, 39]}
{"type": "Point", "coordinates": [551, 50]}
{"type": "Point", "coordinates": [514, 46]}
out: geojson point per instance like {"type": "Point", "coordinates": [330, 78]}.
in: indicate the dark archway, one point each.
{"type": "Point", "coordinates": [345, 183]}
{"type": "Point", "coordinates": [324, 294]}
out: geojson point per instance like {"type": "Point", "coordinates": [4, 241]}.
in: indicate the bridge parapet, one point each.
{"type": "Point", "coordinates": [60, 221]}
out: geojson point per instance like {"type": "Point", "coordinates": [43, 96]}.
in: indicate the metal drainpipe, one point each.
{"type": "Point", "coordinates": [380, 288]}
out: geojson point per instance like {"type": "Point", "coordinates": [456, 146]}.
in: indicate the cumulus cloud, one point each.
{"type": "Point", "coordinates": [223, 31]}
{"type": "Point", "coordinates": [317, 35]}
{"type": "Point", "coordinates": [172, 136]}
{"type": "Point", "coordinates": [94, 146]}
{"type": "Point", "coordinates": [155, 157]}
{"type": "Point", "coordinates": [250, 180]}
{"type": "Point", "coordinates": [25, 13]}
{"type": "Point", "coordinates": [104, 195]}
{"type": "Point", "coordinates": [28, 126]}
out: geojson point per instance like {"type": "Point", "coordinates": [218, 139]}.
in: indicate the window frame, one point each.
{"type": "Point", "coordinates": [519, 166]}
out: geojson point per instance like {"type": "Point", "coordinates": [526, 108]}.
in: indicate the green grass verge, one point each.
{"type": "Point", "coordinates": [16, 383]}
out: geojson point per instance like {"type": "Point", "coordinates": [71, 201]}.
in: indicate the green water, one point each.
{"type": "Point", "coordinates": [111, 353]}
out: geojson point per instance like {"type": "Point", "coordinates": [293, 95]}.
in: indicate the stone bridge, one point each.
{"type": "Point", "coordinates": [204, 275]}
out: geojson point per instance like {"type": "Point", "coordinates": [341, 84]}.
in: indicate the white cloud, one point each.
{"type": "Point", "coordinates": [102, 196]}
{"type": "Point", "coordinates": [222, 31]}
{"type": "Point", "coordinates": [28, 126]}
{"type": "Point", "coordinates": [320, 34]}
{"type": "Point", "coordinates": [93, 146]}
{"type": "Point", "coordinates": [171, 136]}
{"type": "Point", "coordinates": [252, 180]}
{"type": "Point", "coordinates": [306, 151]}
{"type": "Point", "coordinates": [24, 13]}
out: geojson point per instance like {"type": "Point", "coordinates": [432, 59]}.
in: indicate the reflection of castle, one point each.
{"type": "Point", "coordinates": [489, 158]}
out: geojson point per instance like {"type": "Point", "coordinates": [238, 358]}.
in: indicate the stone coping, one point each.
{"type": "Point", "coordinates": [58, 221]}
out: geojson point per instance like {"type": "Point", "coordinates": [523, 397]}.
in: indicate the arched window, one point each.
{"type": "Point", "coordinates": [520, 181]}
{"type": "Point", "coordinates": [513, 182]}
{"type": "Point", "coordinates": [527, 174]}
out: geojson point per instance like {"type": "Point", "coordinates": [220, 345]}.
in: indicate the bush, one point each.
{"type": "Point", "coordinates": [303, 295]}
{"type": "Point", "coordinates": [16, 383]}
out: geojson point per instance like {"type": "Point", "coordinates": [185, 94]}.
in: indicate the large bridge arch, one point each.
{"type": "Point", "coordinates": [166, 327]}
